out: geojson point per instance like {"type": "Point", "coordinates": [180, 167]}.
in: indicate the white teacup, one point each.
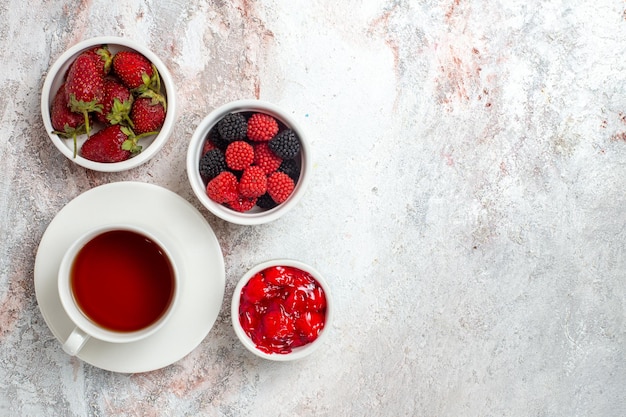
{"type": "Point", "coordinates": [117, 283]}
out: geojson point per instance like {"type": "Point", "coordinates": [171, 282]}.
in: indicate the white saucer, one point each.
{"type": "Point", "coordinates": [201, 264]}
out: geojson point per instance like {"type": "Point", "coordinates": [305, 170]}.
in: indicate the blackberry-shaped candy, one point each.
{"type": "Point", "coordinates": [291, 168]}
{"type": "Point", "coordinates": [232, 127]}
{"type": "Point", "coordinates": [215, 138]}
{"type": "Point", "coordinates": [285, 145]}
{"type": "Point", "coordinates": [266, 202]}
{"type": "Point", "coordinates": [211, 164]}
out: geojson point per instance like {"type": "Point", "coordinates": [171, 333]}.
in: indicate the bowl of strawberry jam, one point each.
{"type": "Point", "coordinates": [281, 310]}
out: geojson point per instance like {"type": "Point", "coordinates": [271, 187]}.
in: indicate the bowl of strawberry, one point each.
{"type": "Point", "coordinates": [108, 104]}
{"type": "Point", "coordinates": [281, 310]}
{"type": "Point", "coordinates": [249, 162]}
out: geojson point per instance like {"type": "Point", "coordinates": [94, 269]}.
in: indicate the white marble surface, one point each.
{"type": "Point", "coordinates": [467, 204]}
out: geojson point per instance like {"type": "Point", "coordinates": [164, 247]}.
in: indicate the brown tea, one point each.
{"type": "Point", "coordinates": [122, 281]}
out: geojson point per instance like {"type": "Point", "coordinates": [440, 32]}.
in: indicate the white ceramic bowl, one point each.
{"type": "Point", "coordinates": [298, 352]}
{"type": "Point", "coordinates": [256, 215]}
{"type": "Point", "coordinates": [55, 78]}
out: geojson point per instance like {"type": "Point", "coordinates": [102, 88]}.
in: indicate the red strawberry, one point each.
{"type": "Point", "coordinates": [102, 57]}
{"type": "Point", "coordinates": [148, 113]}
{"type": "Point", "coordinates": [65, 122]}
{"type": "Point", "coordinates": [60, 114]}
{"type": "Point", "coordinates": [84, 87]}
{"type": "Point", "coordinates": [114, 143]}
{"type": "Point", "coordinates": [116, 104]}
{"type": "Point", "coordinates": [135, 70]}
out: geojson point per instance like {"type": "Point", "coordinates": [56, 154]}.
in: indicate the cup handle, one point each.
{"type": "Point", "coordinates": [75, 341]}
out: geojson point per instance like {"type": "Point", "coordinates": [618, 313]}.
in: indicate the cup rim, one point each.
{"type": "Point", "coordinates": [194, 152]}
{"type": "Point", "coordinates": [74, 313]}
{"type": "Point", "coordinates": [296, 353]}
{"type": "Point", "coordinates": [167, 81]}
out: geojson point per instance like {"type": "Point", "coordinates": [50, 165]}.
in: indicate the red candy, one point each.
{"type": "Point", "coordinates": [282, 308]}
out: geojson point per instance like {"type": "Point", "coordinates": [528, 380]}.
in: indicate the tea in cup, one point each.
{"type": "Point", "coordinates": [118, 284]}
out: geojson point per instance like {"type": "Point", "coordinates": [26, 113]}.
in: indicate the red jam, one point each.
{"type": "Point", "coordinates": [282, 308]}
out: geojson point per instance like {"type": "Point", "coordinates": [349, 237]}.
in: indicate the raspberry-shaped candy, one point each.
{"type": "Point", "coordinates": [286, 144]}
{"type": "Point", "coordinates": [232, 127]}
{"type": "Point", "coordinates": [262, 127]}
{"type": "Point", "coordinates": [211, 164]}
{"type": "Point", "coordinates": [242, 204]}
{"type": "Point", "coordinates": [223, 188]}
{"type": "Point", "coordinates": [253, 182]}
{"type": "Point", "coordinates": [279, 186]}
{"type": "Point", "coordinates": [265, 158]}
{"type": "Point", "coordinates": [239, 155]}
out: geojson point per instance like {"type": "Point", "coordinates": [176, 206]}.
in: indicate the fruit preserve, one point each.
{"type": "Point", "coordinates": [282, 308]}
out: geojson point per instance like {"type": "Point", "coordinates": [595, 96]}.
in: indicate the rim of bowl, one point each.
{"type": "Point", "coordinates": [195, 149]}
{"type": "Point", "coordinates": [63, 62]}
{"type": "Point", "coordinates": [296, 353]}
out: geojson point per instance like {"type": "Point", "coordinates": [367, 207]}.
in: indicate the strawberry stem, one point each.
{"type": "Point", "coordinates": [72, 132]}
{"type": "Point", "coordinates": [131, 144]}
{"type": "Point", "coordinates": [87, 129]}
{"type": "Point", "coordinates": [143, 135]}
{"type": "Point", "coordinates": [156, 79]}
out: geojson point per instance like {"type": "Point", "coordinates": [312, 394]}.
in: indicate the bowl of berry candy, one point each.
{"type": "Point", "coordinates": [281, 310]}
{"type": "Point", "coordinates": [249, 162]}
{"type": "Point", "coordinates": [108, 104]}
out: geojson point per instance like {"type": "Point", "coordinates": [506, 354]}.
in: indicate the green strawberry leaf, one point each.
{"type": "Point", "coordinates": [131, 145]}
